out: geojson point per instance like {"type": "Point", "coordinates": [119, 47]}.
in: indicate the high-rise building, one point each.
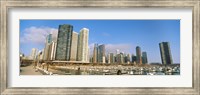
{"type": "Point", "coordinates": [42, 54]}
{"type": "Point", "coordinates": [121, 58]}
{"type": "Point", "coordinates": [95, 56]}
{"type": "Point", "coordinates": [64, 40]}
{"type": "Point", "coordinates": [104, 59]}
{"type": "Point", "coordinates": [54, 41]}
{"type": "Point", "coordinates": [101, 53]}
{"type": "Point", "coordinates": [37, 57]}
{"type": "Point", "coordinates": [88, 60]}
{"type": "Point", "coordinates": [165, 53]}
{"type": "Point", "coordinates": [91, 59]}
{"type": "Point", "coordinates": [108, 58]}
{"type": "Point", "coordinates": [115, 58]}
{"type": "Point", "coordinates": [111, 58]}
{"type": "Point", "coordinates": [47, 43]}
{"type": "Point", "coordinates": [144, 58]}
{"type": "Point", "coordinates": [52, 48]}
{"type": "Point", "coordinates": [55, 47]}
{"type": "Point", "coordinates": [83, 53]}
{"type": "Point", "coordinates": [74, 46]}
{"type": "Point", "coordinates": [33, 54]}
{"type": "Point", "coordinates": [118, 58]}
{"type": "Point", "coordinates": [138, 55]}
{"type": "Point", "coordinates": [127, 58]}
{"type": "Point", "coordinates": [134, 58]}
{"type": "Point", "coordinates": [123, 55]}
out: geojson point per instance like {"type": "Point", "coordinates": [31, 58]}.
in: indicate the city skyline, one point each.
{"type": "Point", "coordinates": [127, 46]}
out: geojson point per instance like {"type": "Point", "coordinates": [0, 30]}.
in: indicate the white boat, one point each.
{"type": "Point", "coordinates": [105, 71]}
{"type": "Point", "coordinates": [130, 72]}
{"type": "Point", "coordinates": [150, 73]}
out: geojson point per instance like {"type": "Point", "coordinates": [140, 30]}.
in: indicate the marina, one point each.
{"type": "Point", "coordinates": [109, 70]}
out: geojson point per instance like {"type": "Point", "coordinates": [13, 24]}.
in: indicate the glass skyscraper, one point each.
{"type": "Point", "coordinates": [64, 41]}
{"type": "Point", "coordinates": [134, 58]}
{"type": "Point", "coordinates": [165, 53]}
{"type": "Point", "coordinates": [101, 53]}
{"type": "Point", "coordinates": [144, 58]}
{"type": "Point", "coordinates": [138, 55]}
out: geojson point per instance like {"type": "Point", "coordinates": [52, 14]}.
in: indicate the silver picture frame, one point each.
{"type": "Point", "coordinates": [5, 5]}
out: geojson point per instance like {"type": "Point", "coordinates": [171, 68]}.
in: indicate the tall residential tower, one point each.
{"type": "Point", "coordinates": [46, 49]}
{"type": "Point", "coordinates": [64, 40]}
{"type": "Point", "coordinates": [83, 48]}
{"type": "Point", "coordinates": [95, 56]}
{"type": "Point", "coordinates": [165, 52]}
{"type": "Point", "coordinates": [33, 53]}
{"type": "Point", "coordinates": [138, 55]}
{"type": "Point", "coordinates": [101, 51]}
{"type": "Point", "coordinates": [74, 46]}
{"type": "Point", "coordinates": [144, 58]}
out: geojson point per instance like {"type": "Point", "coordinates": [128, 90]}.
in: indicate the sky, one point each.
{"type": "Point", "coordinates": [124, 35]}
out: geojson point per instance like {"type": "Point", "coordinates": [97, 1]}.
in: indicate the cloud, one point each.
{"type": "Point", "coordinates": [126, 48]}
{"type": "Point", "coordinates": [37, 34]}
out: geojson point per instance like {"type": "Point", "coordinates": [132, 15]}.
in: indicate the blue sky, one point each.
{"type": "Point", "coordinates": [124, 35]}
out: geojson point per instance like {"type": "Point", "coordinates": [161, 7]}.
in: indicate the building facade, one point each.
{"type": "Point", "coordinates": [165, 53]}
{"type": "Point", "coordinates": [83, 52]}
{"type": "Point", "coordinates": [133, 58]}
{"type": "Point", "coordinates": [138, 55]}
{"type": "Point", "coordinates": [33, 54]}
{"type": "Point", "coordinates": [101, 53]}
{"type": "Point", "coordinates": [64, 40]}
{"type": "Point", "coordinates": [47, 43]}
{"type": "Point", "coordinates": [74, 47]}
{"type": "Point", "coordinates": [42, 55]}
{"type": "Point", "coordinates": [144, 58]}
{"type": "Point", "coordinates": [120, 58]}
{"type": "Point", "coordinates": [111, 58]}
{"type": "Point", "coordinates": [52, 49]}
{"type": "Point", "coordinates": [127, 58]}
{"type": "Point", "coordinates": [95, 56]}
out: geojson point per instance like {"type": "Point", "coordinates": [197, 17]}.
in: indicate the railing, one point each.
{"type": "Point", "coordinates": [26, 62]}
